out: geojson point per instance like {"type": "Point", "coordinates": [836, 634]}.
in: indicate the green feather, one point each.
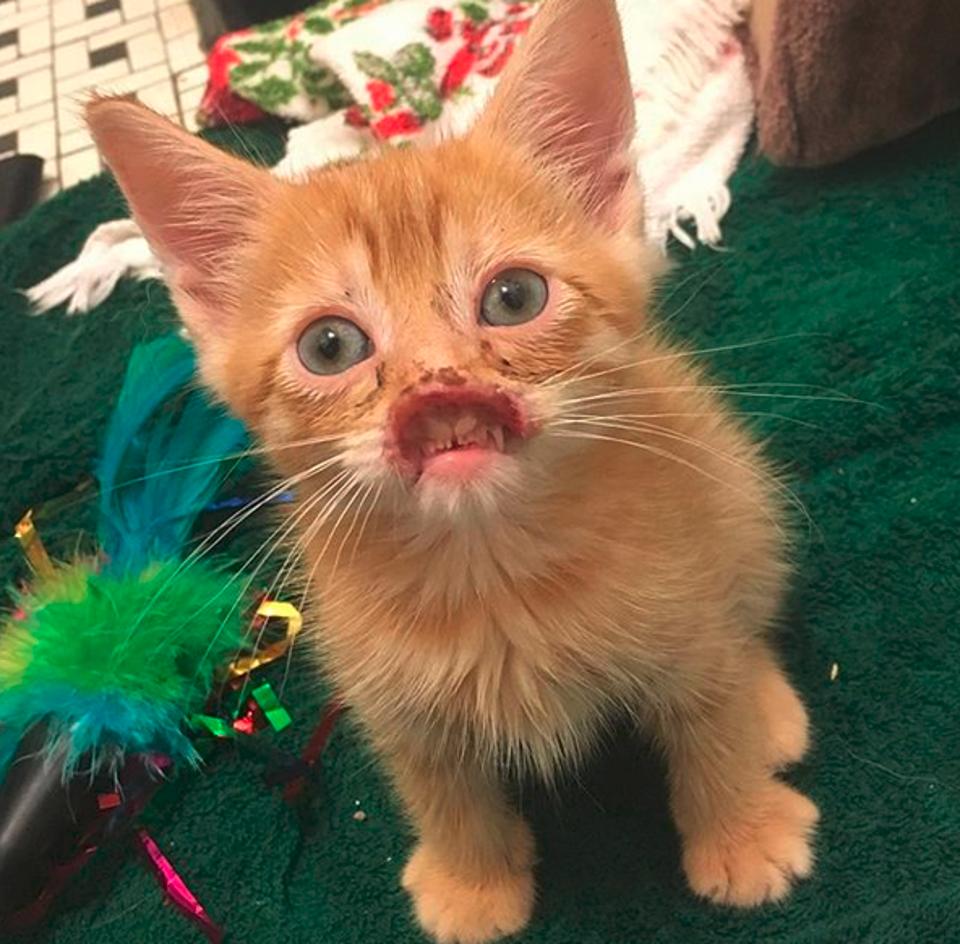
{"type": "Point", "coordinates": [118, 660]}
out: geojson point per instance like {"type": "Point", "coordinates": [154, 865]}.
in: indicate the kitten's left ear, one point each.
{"type": "Point", "coordinates": [194, 203]}
{"type": "Point", "coordinates": [565, 98]}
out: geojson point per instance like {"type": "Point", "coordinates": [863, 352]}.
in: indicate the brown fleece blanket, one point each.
{"type": "Point", "coordinates": [834, 77]}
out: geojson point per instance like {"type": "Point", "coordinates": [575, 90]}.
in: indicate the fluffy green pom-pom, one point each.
{"type": "Point", "coordinates": [117, 663]}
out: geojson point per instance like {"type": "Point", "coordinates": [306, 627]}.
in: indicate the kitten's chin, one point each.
{"type": "Point", "coordinates": [460, 467]}
{"type": "Point", "coordinates": [466, 482]}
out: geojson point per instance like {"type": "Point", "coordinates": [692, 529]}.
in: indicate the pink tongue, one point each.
{"type": "Point", "coordinates": [460, 464]}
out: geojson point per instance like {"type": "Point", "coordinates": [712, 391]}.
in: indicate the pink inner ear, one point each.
{"type": "Point", "coordinates": [566, 96]}
{"type": "Point", "coordinates": [193, 202]}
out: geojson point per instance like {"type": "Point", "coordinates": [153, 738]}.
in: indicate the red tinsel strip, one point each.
{"type": "Point", "coordinates": [175, 888]}
{"type": "Point", "coordinates": [313, 750]}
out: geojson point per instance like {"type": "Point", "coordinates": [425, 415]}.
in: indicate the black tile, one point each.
{"type": "Point", "coordinates": [100, 57]}
{"type": "Point", "coordinates": [102, 6]}
{"type": "Point", "coordinates": [8, 88]}
{"type": "Point", "coordinates": [8, 142]}
{"type": "Point", "coordinates": [8, 39]}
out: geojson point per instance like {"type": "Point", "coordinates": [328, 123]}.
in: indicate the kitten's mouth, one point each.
{"type": "Point", "coordinates": [455, 433]}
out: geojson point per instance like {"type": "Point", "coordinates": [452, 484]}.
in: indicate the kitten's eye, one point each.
{"type": "Point", "coordinates": [513, 297]}
{"type": "Point", "coordinates": [330, 345]}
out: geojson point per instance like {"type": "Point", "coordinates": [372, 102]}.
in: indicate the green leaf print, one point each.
{"type": "Point", "coordinates": [272, 92]}
{"type": "Point", "coordinates": [476, 11]}
{"type": "Point", "coordinates": [246, 70]}
{"type": "Point", "coordinates": [260, 47]}
{"type": "Point", "coordinates": [416, 60]}
{"type": "Point", "coordinates": [376, 67]}
{"type": "Point", "coordinates": [318, 24]}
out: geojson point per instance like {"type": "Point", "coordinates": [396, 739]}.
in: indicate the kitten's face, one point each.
{"type": "Point", "coordinates": [417, 315]}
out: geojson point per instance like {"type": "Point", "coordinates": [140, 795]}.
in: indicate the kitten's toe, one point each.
{"type": "Point", "coordinates": [455, 910]}
{"type": "Point", "coordinates": [755, 858]}
{"type": "Point", "coordinates": [788, 728]}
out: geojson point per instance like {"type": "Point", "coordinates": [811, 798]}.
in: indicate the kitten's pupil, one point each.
{"type": "Point", "coordinates": [512, 294]}
{"type": "Point", "coordinates": [328, 343]}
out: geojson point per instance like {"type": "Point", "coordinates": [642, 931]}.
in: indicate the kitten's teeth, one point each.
{"type": "Point", "coordinates": [497, 433]}
{"type": "Point", "coordinates": [437, 429]}
{"type": "Point", "coordinates": [464, 426]}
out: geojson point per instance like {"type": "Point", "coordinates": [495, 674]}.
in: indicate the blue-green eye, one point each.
{"type": "Point", "coordinates": [330, 345]}
{"type": "Point", "coordinates": [513, 297]}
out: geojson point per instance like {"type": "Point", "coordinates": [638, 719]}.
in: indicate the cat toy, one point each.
{"type": "Point", "coordinates": [106, 659]}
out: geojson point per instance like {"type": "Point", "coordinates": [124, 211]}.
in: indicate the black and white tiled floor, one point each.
{"type": "Point", "coordinates": [53, 52]}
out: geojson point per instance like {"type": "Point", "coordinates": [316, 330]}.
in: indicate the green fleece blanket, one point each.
{"type": "Point", "coordinates": [851, 278]}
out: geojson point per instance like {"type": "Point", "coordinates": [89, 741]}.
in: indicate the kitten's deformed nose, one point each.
{"type": "Point", "coordinates": [440, 418]}
{"type": "Point", "coordinates": [445, 376]}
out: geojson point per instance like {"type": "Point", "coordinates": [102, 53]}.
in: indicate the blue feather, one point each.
{"type": "Point", "coordinates": [164, 457]}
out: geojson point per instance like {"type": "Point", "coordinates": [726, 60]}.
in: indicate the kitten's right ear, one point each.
{"type": "Point", "coordinates": [193, 202]}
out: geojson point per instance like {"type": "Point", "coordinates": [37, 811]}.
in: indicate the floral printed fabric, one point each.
{"type": "Point", "coordinates": [304, 67]}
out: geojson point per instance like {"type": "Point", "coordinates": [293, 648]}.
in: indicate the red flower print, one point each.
{"type": "Point", "coordinates": [355, 117]}
{"type": "Point", "coordinates": [516, 8]}
{"type": "Point", "coordinates": [401, 122]}
{"type": "Point", "coordinates": [382, 94]}
{"type": "Point", "coordinates": [221, 58]}
{"type": "Point", "coordinates": [458, 69]}
{"type": "Point", "coordinates": [440, 24]}
{"type": "Point", "coordinates": [472, 32]}
{"type": "Point", "coordinates": [495, 66]}
{"type": "Point", "coordinates": [295, 25]}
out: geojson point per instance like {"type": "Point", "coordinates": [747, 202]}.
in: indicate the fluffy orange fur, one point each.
{"type": "Point", "coordinates": [626, 557]}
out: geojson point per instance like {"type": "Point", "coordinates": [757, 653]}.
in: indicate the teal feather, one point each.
{"type": "Point", "coordinates": [164, 457]}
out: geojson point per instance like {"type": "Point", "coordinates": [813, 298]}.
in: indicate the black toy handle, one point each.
{"type": "Point", "coordinates": [38, 818]}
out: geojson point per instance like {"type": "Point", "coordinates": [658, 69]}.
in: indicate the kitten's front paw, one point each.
{"type": "Point", "coordinates": [454, 910]}
{"type": "Point", "coordinates": [753, 860]}
{"type": "Point", "coordinates": [788, 728]}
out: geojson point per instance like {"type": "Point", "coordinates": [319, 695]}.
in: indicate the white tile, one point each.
{"type": "Point", "coordinates": [184, 52]}
{"type": "Point", "coordinates": [73, 141]}
{"type": "Point", "coordinates": [86, 28]}
{"type": "Point", "coordinates": [190, 121]}
{"type": "Point", "coordinates": [190, 100]}
{"type": "Point", "coordinates": [15, 19]}
{"type": "Point", "coordinates": [34, 37]}
{"type": "Point", "coordinates": [25, 64]}
{"type": "Point", "coordinates": [23, 119]}
{"type": "Point", "coordinates": [8, 105]}
{"type": "Point", "coordinates": [134, 8]}
{"type": "Point", "coordinates": [195, 77]}
{"type": "Point", "coordinates": [49, 186]}
{"type": "Point", "coordinates": [8, 54]}
{"type": "Point", "coordinates": [145, 25]}
{"type": "Point", "coordinates": [30, 4]}
{"type": "Point", "coordinates": [162, 4]}
{"type": "Point", "coordinates": [66, 12]}
{"type": "Point", "coordinates": [160, 97]}
{"type": "Point", "coordinates": [70, 113]}
{"type": "Point", "coordinates": [146, 50]}
{"type": "Point", "coordinates": [39, 139]}
{"type": "Point", "coordinates": [177, 20]}
{"type": "Point", "coordinates": [92, 78]}
{"type": "Point", "coordinates": [79, 166]}
{"type": "Point", "coordinates": [70, 59]}
{"type": "Point", "coordinates": [136, 80]}
{"type": "Point", "coordinates": [35, 88]}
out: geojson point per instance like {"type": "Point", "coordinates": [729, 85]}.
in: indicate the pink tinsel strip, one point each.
{"type": "Point", "coordinates": [175, 888]}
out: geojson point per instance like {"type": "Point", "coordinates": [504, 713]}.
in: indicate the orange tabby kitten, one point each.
{"type": "Point", "coordinates": [521, 512]}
